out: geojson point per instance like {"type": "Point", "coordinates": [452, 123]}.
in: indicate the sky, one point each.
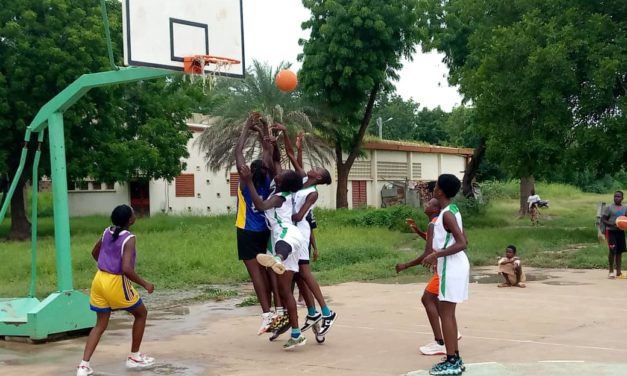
{"type": "Point", "coordinates": [271, 33]}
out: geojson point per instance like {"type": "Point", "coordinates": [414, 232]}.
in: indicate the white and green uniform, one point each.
{"type": "Point", "coordinates": [454, 270]}
{"type": "Point", "coordinates": [305, 229]}
{"type": "Point", "coordinates": [281, 228]}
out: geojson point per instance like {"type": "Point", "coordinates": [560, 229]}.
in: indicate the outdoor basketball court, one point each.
{"type": "Point", "coordinates": [571, 323]}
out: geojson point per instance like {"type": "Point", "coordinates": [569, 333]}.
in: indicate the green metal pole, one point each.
{"type": "Point", "coordinates": [105, 21]}
{"type": "Point", "coordinates": [16, 178]}
{"type": "Point", "coordinates": [60, 202]}
{"type": "Point", "coordinates": [35, 195]}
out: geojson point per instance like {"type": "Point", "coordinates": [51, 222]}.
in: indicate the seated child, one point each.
{"type": "Point", "coordinates": [510, 269]}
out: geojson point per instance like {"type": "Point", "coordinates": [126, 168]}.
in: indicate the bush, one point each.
{"type": "Point", "coordinates": [471, 205]}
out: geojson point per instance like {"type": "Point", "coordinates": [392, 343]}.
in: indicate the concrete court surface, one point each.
{"type": "Point", "coordinates": [573, 322]}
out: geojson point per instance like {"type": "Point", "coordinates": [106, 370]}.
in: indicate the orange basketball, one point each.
{"type": "Point", "coordinates": [621, 222]}
{"type": "Point", "coordinates": [286, 80]}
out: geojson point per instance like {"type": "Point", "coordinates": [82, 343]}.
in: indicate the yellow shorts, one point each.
{"type": "Point", "coordinates": [112, 292]}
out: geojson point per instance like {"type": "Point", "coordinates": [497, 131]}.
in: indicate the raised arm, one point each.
{"type": "Point", "coordinates": [239, 148]}
{"type": "Point", "coordinates": [299, 148]}
{"type": "Point", "coordinates": [412, 225]}
{"type": "Point", "coordinates": [260, 204]}
{"type": "Point", "coordinates": [289, 150]}
{"type": "Point", "coordinates": [309, 201]}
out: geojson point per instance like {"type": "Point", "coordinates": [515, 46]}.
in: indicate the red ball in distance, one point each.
{"type": "Point", "coordinates": [286, 80]}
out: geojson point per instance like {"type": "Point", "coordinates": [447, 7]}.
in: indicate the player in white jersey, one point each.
{"type": "Point", "coordinates": [287, 240]}
{"type": "Point", "coordinates": [449, 245]}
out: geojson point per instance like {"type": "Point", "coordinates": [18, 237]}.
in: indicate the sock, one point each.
{"type": "Point", "coordinates": [326, 311]}
{"type": "Point", "coordinates": [278, 258]}
{"type": "Point", "coordinates": [295, 332]}
{"type": "Point", "coordinates": [84, 364]}
{"type": "Point", "coordinates": [311, 311]}
{"type": "Point", "coordinates": [457, 353]}
{"type": "Point", "coordinates": [135, 355]}
{"type": "Point", "coordinates": [280, 311]}
{"type": "Point", "coordinates": [451, 358]}
{"type": "Point", "coordinates": [440, 341]}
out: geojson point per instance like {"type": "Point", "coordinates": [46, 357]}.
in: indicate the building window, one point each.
{"type": "Point", "coordinates": [96, 186]}
{"type": "Point", "coordinates": [360, 197]}
{"type": "Point", "coordinates": [416, 171]}
{"type": "Point", "coordinates": [185, 185]}
{"type": "Point", "coordinates": [392, 169]}
{"type": "Point", "coordinates": [361, 170]}
{"type": "Point", "coordinates": [233, 183]}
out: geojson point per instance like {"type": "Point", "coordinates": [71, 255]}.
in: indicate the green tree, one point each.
{"type": "Point", "coordinates": [111, 134]}
{"type": "Point", "coordinates": [537, 73]}
{"type": "Point", "coordinates": [398, 115]}
{"type": "Point", "coordinates": [355, 47]}
{"type": "Point", "coordinates": [257, 92]}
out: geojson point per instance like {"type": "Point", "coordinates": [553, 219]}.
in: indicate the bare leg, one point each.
{"type": "Point", "coordinates": [285, 286]}
{"type": "Point", "coordinates": [260, 283]}
{"type": "Point", "coordinates": [312, 284]}
{"type": "Point", "coordinates": [610, 259]}
{"type": "Point", "coordinates": [430, 302]}
{"type": "Point", "coordinates": [141, 314]}
{"type": "Point", "coordinates": [274, 285]}
{"type": "Point", "coordinates": [619, 257]}
{"type": "Point", "coordinates": [305, 293]}
{"type": "Point", "coordinates": [449, 326]}
{"type": "Point", "coordinates": [102, 321]}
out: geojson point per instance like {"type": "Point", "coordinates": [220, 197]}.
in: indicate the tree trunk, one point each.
{"type": "Point", "coordinates": [4, 188]}
{"type": "Point", "coordinates": [473, 168]}
{"type": "Point", "coordinates": [527, 184]}
{"type": "Point", "coordinates": [341, 198]}
{"type": "Point", "coordinates": [20, 226]}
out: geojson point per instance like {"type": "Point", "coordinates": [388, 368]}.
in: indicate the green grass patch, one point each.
{"type": "Point", "coordinates": [179, 252]}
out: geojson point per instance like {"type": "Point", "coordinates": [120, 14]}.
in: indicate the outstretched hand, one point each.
{"type": "Point", "coordinates": [279, 127]}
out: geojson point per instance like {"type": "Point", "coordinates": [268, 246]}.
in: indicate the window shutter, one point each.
{"type": "Point", "coordinates": [360, 197]}
{"type": "Point", "coordinates": [185, 185]}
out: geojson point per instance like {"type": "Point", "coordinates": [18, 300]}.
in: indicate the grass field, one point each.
{"type": "Point", "coordinates": [179, 252]}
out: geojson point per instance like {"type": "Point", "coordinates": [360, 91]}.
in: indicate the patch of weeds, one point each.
{"type": "Point", "coordinates": [250, 300]}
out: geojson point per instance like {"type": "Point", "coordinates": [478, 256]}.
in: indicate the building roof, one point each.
{"type": "Point", "coordinates": [378, 144]}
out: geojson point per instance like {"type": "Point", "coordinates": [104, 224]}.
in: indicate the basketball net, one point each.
{"type": "Point", "coordinates": [195, 66]}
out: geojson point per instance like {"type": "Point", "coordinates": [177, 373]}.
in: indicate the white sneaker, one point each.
{"type": "Point", "coordinates": [84, 371]}
{"type": "Point", "coordinates": [141, 362]}
{"type": "Point", "coordinates": [266, 320]}
{"type": "Point", "coordinates": [611, 275]}
{"type": "Point", "coordinates": [433, 348]}
{"type": "Point", "coordinates": [270, 261]}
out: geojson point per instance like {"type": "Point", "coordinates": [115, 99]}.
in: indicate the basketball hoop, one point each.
{"type": "Point", "coordinates": [195, 66]}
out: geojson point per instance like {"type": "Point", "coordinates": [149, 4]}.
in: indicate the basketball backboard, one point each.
{"type": "Point", "coordinates": [160, 33]}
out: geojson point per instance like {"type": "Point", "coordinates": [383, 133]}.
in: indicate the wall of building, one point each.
{"type": "Point", "coordinates": [83, 202]}
{"type": "Point", "coordinates": [213, 193]}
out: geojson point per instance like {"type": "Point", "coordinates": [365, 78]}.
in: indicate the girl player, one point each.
{"type": "Point", "coordinates": [111, 289]}
{"type": "Point", "coordinates": [304, 201]}
{"type": "Point", "coordinates": [288, 242]}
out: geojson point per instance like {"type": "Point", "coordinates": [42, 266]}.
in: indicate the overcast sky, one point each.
{"type": "Point", "coordinates": [271, 33]}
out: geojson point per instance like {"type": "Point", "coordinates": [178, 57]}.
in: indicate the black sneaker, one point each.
{"type": "Point", "coordinates": [311, 321]}
{"type": "Point", "coordinates": [327, 322]}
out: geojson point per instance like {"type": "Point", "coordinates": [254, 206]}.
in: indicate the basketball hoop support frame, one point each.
{"type": "Point", "coordinates": [67, 309]}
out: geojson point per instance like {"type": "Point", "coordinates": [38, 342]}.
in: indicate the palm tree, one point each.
{"type": "Point", "coordinates": [257, 92]}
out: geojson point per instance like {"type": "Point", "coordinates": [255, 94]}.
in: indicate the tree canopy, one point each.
{"type": "Point", "coordinates": [354, 49]}
{"type": "Point", "coordinates": [113, 133]}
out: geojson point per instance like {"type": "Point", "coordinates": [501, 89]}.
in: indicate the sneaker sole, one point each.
{"type": "Point", "coordinates": [139, 366]}
{"type": "Point", "coordinates": [432, 353]}
{"type": "Point", "coordinates": [269, 262]}
{"type": "Point", "coordinates": [305, 327]}
{"type": "Point", "coordinates": [296, 345]}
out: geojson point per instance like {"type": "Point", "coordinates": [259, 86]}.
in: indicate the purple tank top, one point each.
{"type": "Point", "coordinates": [110, 257]}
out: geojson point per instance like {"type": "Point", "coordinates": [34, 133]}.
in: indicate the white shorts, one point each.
{"type": "Point", "coordinates": [294, 238]}
{"type": "Point", "coordinates": [305, 230]}
{"type": "Point", "coordinates": [454, 272]}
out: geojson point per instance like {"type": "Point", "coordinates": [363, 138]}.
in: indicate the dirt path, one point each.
{"type": "Point", "coordinates": [567, 322]}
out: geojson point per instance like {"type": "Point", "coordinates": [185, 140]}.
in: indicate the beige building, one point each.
{"type": "Point", "coordinates": [385, 174]}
